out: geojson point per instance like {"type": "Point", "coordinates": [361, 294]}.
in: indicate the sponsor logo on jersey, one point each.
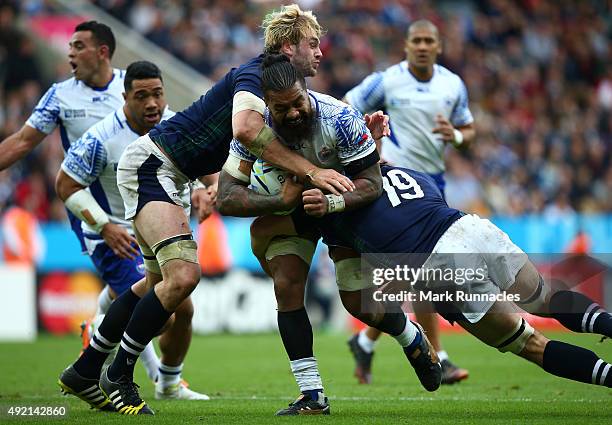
{"type": "Point", "coordinates": [75, 113]}
{"type": "Point", "coordinates": [101, 98]}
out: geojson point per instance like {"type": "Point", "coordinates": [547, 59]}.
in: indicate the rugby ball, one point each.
{"type": "Point", "coordinates": [267, 179]}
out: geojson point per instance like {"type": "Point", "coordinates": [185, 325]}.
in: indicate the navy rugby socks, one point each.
{"type": "Point", "coordinates": [107, 336]}
{"type": "Point", "coordinates": [296, 333]}
{"type": "Point", "coordinates": [576, 363]}
{"type": "Point", "coordinates": [579, 313]}
{"type": "Point", "coordinates": [148, 318]}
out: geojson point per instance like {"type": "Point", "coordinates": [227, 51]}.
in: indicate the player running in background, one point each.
{"type": "Point", "coordinates": [94, 91]}
{"type": "Point", "coordinates": [75, 105]}
{"type": "Point", "coordinates": [413, 217]}
{"type": "Point", "coordinates": [428, 109]}
{"type": "Point", "coordinates": [87, 183]}
{"type": "Point", "coordinates": [152, 175]}
{"type": "Point", "coordinates": [330, 134]}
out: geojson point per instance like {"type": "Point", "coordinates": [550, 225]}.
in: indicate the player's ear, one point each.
{"type": "Point", "coordinates": [124, 96]}
{"type": "Point", "coordinates": [287, 48]}
{"type": "Point", "coordinates": [439, 51]}
{"type": "Point", "coordinates": [104, 51]}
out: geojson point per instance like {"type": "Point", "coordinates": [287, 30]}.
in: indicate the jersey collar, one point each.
{"type": "Point", "coordinates": [104, 88]}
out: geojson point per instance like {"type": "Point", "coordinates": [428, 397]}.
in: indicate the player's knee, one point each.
{"type": "Point", "coordinates": [289, 289]}
{"type": "Point", "coordinates": [537, 301]}
{"type": "Point", "coordinates": [289, 279]}
{"type": "Point", "coordinates": [184, 277]}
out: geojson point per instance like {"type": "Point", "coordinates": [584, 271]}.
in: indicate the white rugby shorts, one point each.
{"type": "Point", "coordinates": [146, 174]}
{"type": "Point", "coordinates": [474, 243]}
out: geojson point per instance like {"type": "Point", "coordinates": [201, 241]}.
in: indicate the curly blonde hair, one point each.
{"type": "Point", "coordinates": [291, 24]}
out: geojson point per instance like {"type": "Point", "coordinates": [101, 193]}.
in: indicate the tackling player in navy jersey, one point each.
{"type": "Point", "coordinates": [412, 217]}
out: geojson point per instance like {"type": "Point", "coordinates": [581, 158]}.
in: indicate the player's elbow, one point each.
{"type": "Point", "coordinates": [65, 185]}
{"type": "Point", "coordinates": [245, 134]}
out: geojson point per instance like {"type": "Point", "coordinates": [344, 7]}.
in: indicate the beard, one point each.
{"type": "Point", "coordinates": [294, 134]}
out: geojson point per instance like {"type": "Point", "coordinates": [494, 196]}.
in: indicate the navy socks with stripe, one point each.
{"type": "Point", "coordinates": [148, 318]}
{"type": "Point", "coordinates": [579, 313]}
{"type": "Point", "coordinates": [576, 363]}
{"type": "Point", "coordinates": [107, 336]}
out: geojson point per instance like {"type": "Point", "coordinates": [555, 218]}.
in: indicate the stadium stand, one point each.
{"type": "Point", "coordinates": [539, 74]}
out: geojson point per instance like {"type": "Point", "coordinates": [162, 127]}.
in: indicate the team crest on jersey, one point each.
{"type": "Point", "coordinates": [70, 114]}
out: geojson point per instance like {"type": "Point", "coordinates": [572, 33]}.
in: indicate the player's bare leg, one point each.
{"type": "Point", "coordinates": [358, 298]}
{"type": "Point", "coordinates": [572, 309]}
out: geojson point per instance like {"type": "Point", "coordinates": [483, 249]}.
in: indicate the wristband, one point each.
{"type": "Point", "coordinates": [458, 138]}
{"type": "Point", "coordinates": [335, 203]}
{"type": "Point", "coordinates": [82, 204]}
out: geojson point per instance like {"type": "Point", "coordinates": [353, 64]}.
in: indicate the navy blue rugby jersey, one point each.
{"type": "Point", "coordinates": [409, 217]}
{"type": "Point", "coordinates": [197, 139]}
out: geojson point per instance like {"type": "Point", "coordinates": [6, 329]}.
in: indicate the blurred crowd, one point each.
{"type": "Point", "coordinates": [538, 73]}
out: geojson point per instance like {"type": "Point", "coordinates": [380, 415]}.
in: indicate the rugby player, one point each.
{"type": "Point", "coordinates": [428, 109]}
{"type": "Point", "coordinates": [412, 217]}
{"type": "Point", "coordinates": [87, 183]}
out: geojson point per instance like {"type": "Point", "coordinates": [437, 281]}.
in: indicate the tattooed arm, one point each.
{"type": "Point", "coordinates": [368, 187]}
{"type": "Point", "coordinates": [234, 198]}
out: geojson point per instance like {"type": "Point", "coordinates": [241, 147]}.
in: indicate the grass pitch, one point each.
{"type": "Point", "coordinates": [248, 378]}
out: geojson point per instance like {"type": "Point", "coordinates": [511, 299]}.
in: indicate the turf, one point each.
{"type": "Point", "coordinates": [249, 379]}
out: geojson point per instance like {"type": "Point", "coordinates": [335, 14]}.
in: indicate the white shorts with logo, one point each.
{"type": "Point", "coordinates": [146, 174]}
{"type": "Point", "coordinates": [473, 243]}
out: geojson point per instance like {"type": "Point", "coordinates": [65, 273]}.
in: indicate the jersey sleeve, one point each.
{"type": "Point", "coordinates": [461, 114]}
{"type": "Point", "coordinates": [248, 78]}
{"type": "Point", "coordinates": [239, 151]}
{"type": "Point", "coordinates": [369, 95]}
{"type": "Point", "coordinates": [85, 159]}
{"type": "Point", "coordinates": [45, 116]}
{"type": "Point", "coordinates": [353, 138]}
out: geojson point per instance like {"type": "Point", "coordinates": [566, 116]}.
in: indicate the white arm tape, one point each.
{"type": "Point", "coordinates": [244, 100]}
{"type": "Point", "coordinates": [458, 138]}
{"type": "Point", "coordinates": [232, 167]}
{"type": "Point", "coordinates": [335, 203]}
{"type": "Point", "coordinates": [85, 207]}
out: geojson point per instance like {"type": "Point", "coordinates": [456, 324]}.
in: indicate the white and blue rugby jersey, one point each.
{"type": "Point", "coordinates": [92, 161]}
{"type": "Point", "coordinates": [412, 106]}
{"type": "Point", "coordinates": [339, 138]}
{"type": "Point", "coordinates": [75, 107]}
